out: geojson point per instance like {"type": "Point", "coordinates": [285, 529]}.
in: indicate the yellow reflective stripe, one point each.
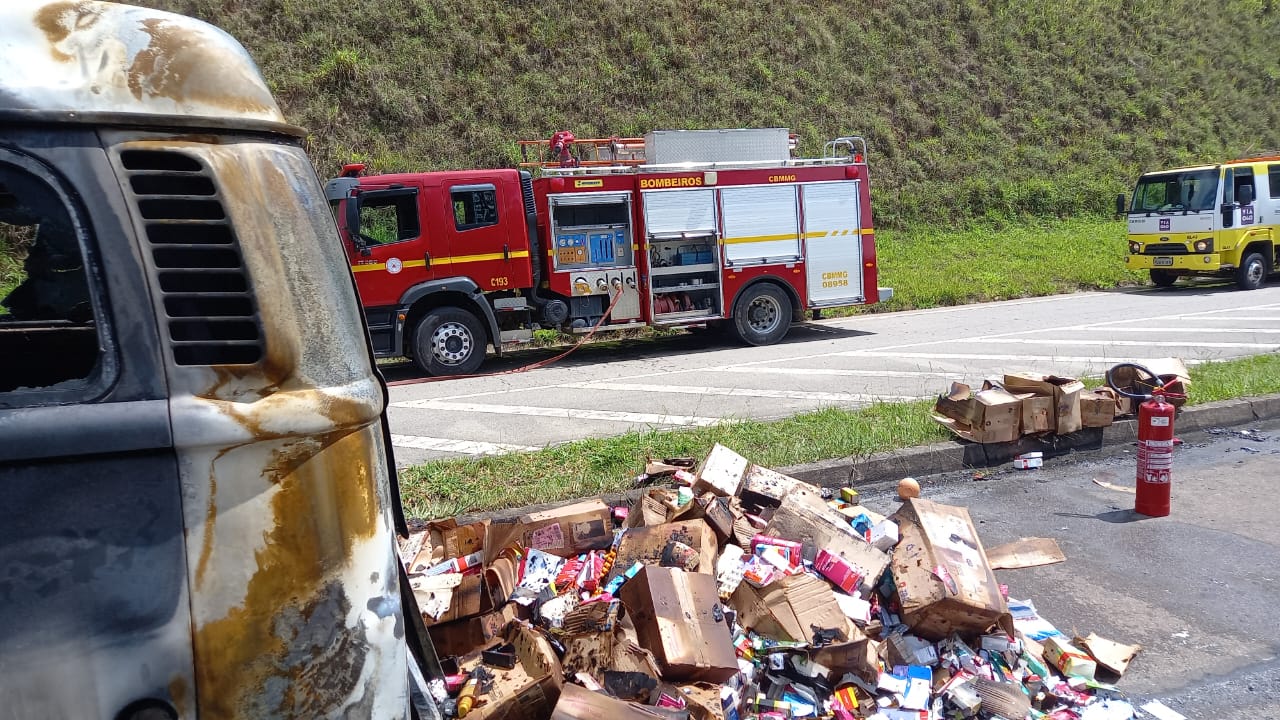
{"type": "Point", "coordinates": [453, 260]}
{"type": "Point", "coordinates": [759, 238]}
{"type": "Point", "coordinates": [807, 236]}
{"type": "Point", "coordinates": [458, 259]}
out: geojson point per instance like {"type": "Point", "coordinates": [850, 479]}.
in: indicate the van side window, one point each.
{"type": "Point", "coordinates": [48, 334]}
{"type": "Point", "coordinates": [1273, 180]}
{"type": "Point", "coordinates": [389, 217]}
{"type": "Point", "coordinates": [474, 206]}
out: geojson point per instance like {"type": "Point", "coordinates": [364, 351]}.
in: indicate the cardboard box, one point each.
{"type": "Point", "coordinates": [677, 616]}
{"type": "Point", "coordinates": [470, 598]}
{"type": "Point", "coordinates": [578, 703]}
{"type": "Point", "coordinates": [790, 608]}
{"type": "Point", "coordinates": [528, 690]}
{"type": "Point", "coordinates": [1122, 405]}
{"type": "Point", "coordinates": [987, 416]}
{"type": "Point", "coordinates": [1097, 409]}
{"type": "Point", "coordinates": [1069, 659]}
{"type": "Point", "coordinates": [1064, 391]}
{"type": "Point", "coordinates": [704, 701]}
{"type": "Point", "coordinates": [721, 473]}
{"type": "Point", "coordinates": [569, 530]}
{"type": "Point", "coordinates": [944, 581]}
{"type": "Point", "coordinates": [462, 637]}
{"type": "Point", "coordinates": [596, 653]}
{"type": "Point", "coordinates": [1038, 415]}
{"type": "Point", "coordinates": [763, 486]}
{"type": "Point", "coordinates": [805, 517]}
{"type": "Point", "coordinates": [858, 655]}
{"type": "Point", "coordinates": [646, 545]}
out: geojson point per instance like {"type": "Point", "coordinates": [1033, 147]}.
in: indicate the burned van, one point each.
{"type": "Point", "coordinates": [196, 505]}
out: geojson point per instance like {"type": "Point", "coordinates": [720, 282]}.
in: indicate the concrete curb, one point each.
{"type": "Point", "coordinates": [958, 455]}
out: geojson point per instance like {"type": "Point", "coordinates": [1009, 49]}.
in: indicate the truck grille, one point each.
{"type": "Point", "coordinates": [211, 313]}
{"type": "Point", "coordinates": [1165, 249]}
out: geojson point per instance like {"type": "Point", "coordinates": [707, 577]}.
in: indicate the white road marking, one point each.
{"type": "Point", "coordinates": [568, 413]}
{"type": "Point", "coordinates": [1101, 360]}
{"type": "Point", "coordinates": [833, 372]}
{"type": "Point", "coordinates": [948, 309]}
{"type": "Point", "coordinates": [1249, 318]}
{"type": "Point", "coordinates": [739, 392]}
{"type": "Point", "coordinates": [1146, 329]}
{"type": "Point", "coordinates": [1124, 343]}
{"type": "Point", "coordinates": [464, 447]}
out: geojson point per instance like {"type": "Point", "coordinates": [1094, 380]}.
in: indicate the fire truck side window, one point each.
{"type": "Point", "coordinates": [474, 206]}
{"type": "Point", "coordinates": [48, 334]}
{"type": "Point", "coordinates": [389, 218]}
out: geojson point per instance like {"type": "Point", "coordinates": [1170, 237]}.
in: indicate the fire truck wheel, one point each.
{"type": "Point", "coordinates": [762, 315]}
{"type": "Point", "coordinates": [449, 341]}
{"type": "Point", "coordinates": [1163, 278]}
{"type": "Point", "coordinates": [1252, 272]}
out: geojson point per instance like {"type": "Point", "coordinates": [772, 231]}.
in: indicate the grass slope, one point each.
{"type": "Point", "coordinates": [973, 108]}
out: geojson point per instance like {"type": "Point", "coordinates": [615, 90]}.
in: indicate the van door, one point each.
{"type": "Point", "coordinates": [93, 590]}
{"type": "Point", "coordinates": [486, 230]}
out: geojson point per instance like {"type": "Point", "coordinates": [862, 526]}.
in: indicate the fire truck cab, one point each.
{"type": "Point", "coordinates": [1212, 220]}
{"type": "Point", "coordinates": [677, 228]}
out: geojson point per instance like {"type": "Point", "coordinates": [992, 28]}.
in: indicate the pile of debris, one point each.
{"type": "Point", "coordinates": [1019, 404]}
{"type": "Point", "coordinates": [740, 592]}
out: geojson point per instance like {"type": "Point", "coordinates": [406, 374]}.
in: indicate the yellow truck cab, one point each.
{"type": "Point", "coordinates": [1212, 220]}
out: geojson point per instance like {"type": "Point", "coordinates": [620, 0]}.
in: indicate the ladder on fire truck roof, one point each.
{"type": "Point", "coordinates": [564, 154]}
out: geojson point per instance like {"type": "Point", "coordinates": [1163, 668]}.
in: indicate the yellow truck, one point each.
{"type": "Point", "coordinates": [1211, 220]}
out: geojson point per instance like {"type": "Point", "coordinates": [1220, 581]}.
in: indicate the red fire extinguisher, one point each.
{"type": "Point", "coordinates": [1155, 445]}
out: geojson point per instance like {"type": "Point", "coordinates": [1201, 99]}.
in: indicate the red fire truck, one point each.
{"type": "Point", "coordinates": [677, 228]}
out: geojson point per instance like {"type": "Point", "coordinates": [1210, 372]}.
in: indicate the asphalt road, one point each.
{"type": "Point", "coordinates": [703, 379]}
{"type": "Point", "coordinates": [1197, 589]}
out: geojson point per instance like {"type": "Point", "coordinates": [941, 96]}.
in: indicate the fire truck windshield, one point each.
{"type": "Point", "coordinates": [1190, 190]}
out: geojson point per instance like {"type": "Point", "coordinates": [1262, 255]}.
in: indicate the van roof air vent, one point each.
{"type": "Point", "coordinates": [210, 310]}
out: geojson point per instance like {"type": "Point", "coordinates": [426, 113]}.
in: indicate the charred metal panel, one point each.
{"type": "Point", "coordinates": [93, 576]}
{"type": "Point", "coordinates": [92, 580]}
{"type": "Point", "coordinates": [286, 497]}
{"type": "Point", "coordinates": [84, 57]}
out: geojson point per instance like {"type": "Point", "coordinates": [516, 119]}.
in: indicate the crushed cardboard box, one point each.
{"type": "Point", "coordinates": [987, 416]}
{"type": "Point", "coordinates": [944, 582]}
{"type": "Point", "coordinates": [1064, 391]}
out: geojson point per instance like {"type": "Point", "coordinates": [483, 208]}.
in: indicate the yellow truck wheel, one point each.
{"type": "Point", "coordinates": [1252, 272]}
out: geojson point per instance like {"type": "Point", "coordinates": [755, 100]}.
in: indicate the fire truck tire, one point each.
{"type": "Point", "coordinates": [449, 341]}
{"type": "Point", "coordinates": [1252, 272]}
{"type": "Point", "coordinates": [762, 314]}
{"type": "Point", "coordinates": [1163, 278]}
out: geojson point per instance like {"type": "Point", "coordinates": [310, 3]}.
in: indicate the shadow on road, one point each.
{"type": "Point", "coordinates": [1192, 286]}
{"type": "Point", "coordinates": [609, 351]}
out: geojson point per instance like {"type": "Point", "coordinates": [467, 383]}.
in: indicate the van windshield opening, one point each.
{"type": "Point", "coordinates": [1192, 191]}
